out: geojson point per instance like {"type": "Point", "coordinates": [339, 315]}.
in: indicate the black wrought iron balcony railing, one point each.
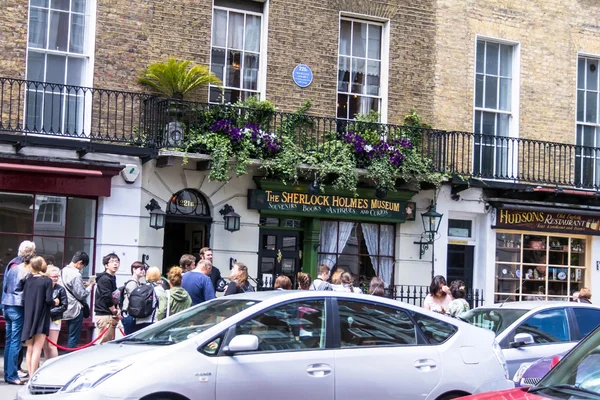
{"type": "Point", "coordinates": [95, 115]}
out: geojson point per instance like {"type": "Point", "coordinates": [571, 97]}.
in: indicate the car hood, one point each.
{"type": "Point", "coordinates": [58, 371]}
{"type": "Point", "coordinates": [511, 394]}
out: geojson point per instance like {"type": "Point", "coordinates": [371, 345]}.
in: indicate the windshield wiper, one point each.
{"type": "Point", "coordinates": [135, 340]}
{"type": "Point", "coordinates": [565, 388]}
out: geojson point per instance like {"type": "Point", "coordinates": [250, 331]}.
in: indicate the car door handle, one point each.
{"type": "Point", "coordinates": [318, 370]}
{"type": "Point", "coordinates": [425, 365]}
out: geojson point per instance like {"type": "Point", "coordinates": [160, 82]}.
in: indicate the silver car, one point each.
{"type": "Point", "coordinates": [530, 330]}
{"type": "Point", "coordinates": [284, 345]}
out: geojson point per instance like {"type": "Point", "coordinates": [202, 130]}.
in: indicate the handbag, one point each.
{"type": "Point", "coordinates": [85, 308]}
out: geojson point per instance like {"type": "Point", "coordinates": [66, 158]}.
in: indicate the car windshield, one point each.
{"type": "Point", "coordinates": [189, 323]}
{"type": "Point", "coordinates": [494, 319]}
{"type": "Point", "coordinates": [577, 375]}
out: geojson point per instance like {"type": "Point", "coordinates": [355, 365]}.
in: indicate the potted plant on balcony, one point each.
{"type": "Point", "coordinates": [174, 79]}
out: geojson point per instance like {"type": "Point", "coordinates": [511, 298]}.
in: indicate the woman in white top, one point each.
{"type": "Point", "coordinates": [439, 296]}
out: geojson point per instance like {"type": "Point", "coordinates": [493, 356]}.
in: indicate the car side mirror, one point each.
{"type": "Point", "coordinates": [241, 343]}
{"type": "Point", "coordinates": [522, 339]}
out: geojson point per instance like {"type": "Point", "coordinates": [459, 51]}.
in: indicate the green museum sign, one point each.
{"type": "Point", "coordinates": [317, 205]}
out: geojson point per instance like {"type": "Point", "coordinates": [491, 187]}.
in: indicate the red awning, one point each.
{"type": "Point", "coordinates": [66, 178]}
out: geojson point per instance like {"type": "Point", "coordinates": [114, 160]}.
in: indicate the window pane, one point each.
{"type": "Point", "coordinates": [505, 94]}
{"type": "Point", "coordinates": [251, 71]}
{"type": "Point", "coordinates": [480, 57]}
{"type": "Point", "coordinates": [219, 28]}
{"type": "Point", "coordinates": [288, 243]}
{"type": "Point", "coordinates": [345, 37]}
{"type": "Point", "coordinates": [52, 112]}
{"type": "Point", "coordinates": [373, 77]}
{"type": "Point", "coordinates": [50, 215]}
{"type": "Point", "coordinates": [74, 245]}
{"type": "Point", "coordinates": [591, 109]}
{"type": "Point", "coordinates": [592, 74]}
{"type": "Point", "coordinates": [503, 128]}
{"type": "Point", "coordinates": [38, 27]}
{"type": "Point", "coordinates": [267, 265]}
{"type": "Point", "coordinates": [78, 6]}
{"type": "Point", "coordinates": [359, 39]}
{"type": "Point", "coordinates": [60, 4]}
{"type": "Point", "coordinates": [51, 248]}
{"type": "Point", "coordinates": [252, 33]}
{"type": "Point", "coordinates": [235, 38]}
{"type": "Point", "coordinates": [374, 42]}
{"type": "Point", "coordinates": [580, 104]}
{"type": "Point", "coordinates": [76, 72]}
{"type": "Point", "coordinates": [354, 107]}
{"type": "Point", "coordinates": [489, 123]}
{"type": "Point", "coordinates": [34, 110]}
{"type": "Point", "coordinates": [59, 31]}
{"type": "Point", "coordinates": [233, 69]}
{"type": "Point", "coordinates": [215, 95]}
{"type": "Point", "coordinates": [55, 73]}
{"type": "Point", "coordinates": [77, 33]}
{"type": "Point", "coordinates": [364, 324]}
{"type": "Point", "coordinates": [581, 73]}
{"type": "Point", "coordinates": [434, 330]}
{"type": "Point", "coordinates": [491, 92]}
{"type": "Point", "coordinates": [587, 319]}
{"type": "Point", "coordinates": [358, 76]}
{"type": "Point", "coordinates": [16, 213]}
{"type": "Point", "coordinates": [81, 217]}
{"type": "Point", "coordinates": [289, 327]}
{"type": "Point", "coordinates": [479, 90]}
{"type": "Point", "coordinates": [74, 114]}
{"type": "Point", "coordinates": [217, 62]}
{"type": "Point", "coordinates": [344, 74]}
{"type": "Point", "coordinates": [546, 327]}
{"type": "Point", "coordinates": [506, 60]}
{"type": "Point", "coordinates": [478, 122]}
{"type": "Point", "coordinates": [491, 59]}
{"type": "Point", "coordinates": [35, 66]}
{"type": "Point", "coordinates": [39, 3]}
{"type": "Point", "coordinates": [342, 106]}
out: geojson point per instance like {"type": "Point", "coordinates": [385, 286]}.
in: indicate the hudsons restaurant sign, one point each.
{"type": "Point", "coordinates": [548, 221]}
{"type": "Point", "coordinates": [329, 205]}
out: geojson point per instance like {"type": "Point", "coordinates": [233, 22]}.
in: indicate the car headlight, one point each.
{"type": "Point", "coordinates": [521, 371]}
{"type": "Point", "coordinates": [500, 356]}
{"type": "Point", "coordinates": [93, 376]}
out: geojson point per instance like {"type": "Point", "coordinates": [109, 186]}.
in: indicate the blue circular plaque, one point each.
{"type": "Point", "coordinates": [302, 75]}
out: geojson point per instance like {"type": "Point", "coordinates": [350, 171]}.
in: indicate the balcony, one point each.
{"type": "Point", "coordinates": [141, 124]}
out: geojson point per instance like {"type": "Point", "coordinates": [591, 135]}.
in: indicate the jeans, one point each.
{"type": "Point", "coordinates": [14, 327]}
{"type": "Point", "coordinates": [128, 325]}
{"type": "Point", "coordinates": [74, 326]}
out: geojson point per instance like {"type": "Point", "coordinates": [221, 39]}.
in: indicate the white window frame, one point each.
{"type": "Point", "coordinates": [512, 149]}
{"type": "Point", "coordinates": [262, 53]}
{"type": "Point", "coordinates": [596, 168]}
{"type": "Point", "coordinates": [384, 60]}
{"type": "Point", "coordinates": [88, 74]}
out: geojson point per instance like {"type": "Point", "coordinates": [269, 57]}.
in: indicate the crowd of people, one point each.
{"type": "Point", "coordinates": [37, 298]}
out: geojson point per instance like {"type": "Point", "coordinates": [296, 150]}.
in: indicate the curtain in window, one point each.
{"type": "Point", "coordinates": [331, 241]}
{"type": "Point", "coordinates": [385, 242]}
{"type": "Point", "coordinates": [371, 235]}
{"type": "Point", "coordinates": [386, 247]}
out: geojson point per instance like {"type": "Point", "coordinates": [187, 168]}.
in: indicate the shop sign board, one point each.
{"type": "Point", "coordinates": [548, 222]}
{"type": "Point", "coordinates": [330, 205]}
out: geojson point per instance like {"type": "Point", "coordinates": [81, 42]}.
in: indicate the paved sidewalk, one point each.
{"type": "Point", "coordinates": [7, 392]}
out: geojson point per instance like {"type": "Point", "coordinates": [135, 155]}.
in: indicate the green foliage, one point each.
{"type": "Point", "coordinates": [304, 147]}
{"type": "Point", "coordinates": [174, 78]}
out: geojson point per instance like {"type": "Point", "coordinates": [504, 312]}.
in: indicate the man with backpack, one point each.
{"type": "Point", "coordinates": [138, 272]}
{"type": "Point", "coordinates": [321, 282]}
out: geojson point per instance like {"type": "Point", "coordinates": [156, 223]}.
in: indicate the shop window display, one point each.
{"type": "Point", "coordinates": [538, 266]}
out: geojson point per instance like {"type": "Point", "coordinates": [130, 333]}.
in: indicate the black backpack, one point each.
{"type": "Point", "coordinates": [142, 301]}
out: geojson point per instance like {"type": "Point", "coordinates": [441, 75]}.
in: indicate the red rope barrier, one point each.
{"type": "Point", "coordinates": [80, 347]}
{"type": "Point", "coordinates": [122, 333]}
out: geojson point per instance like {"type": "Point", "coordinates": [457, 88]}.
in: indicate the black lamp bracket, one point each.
{"type": "Point", "coordinates": [152, 205]}
{"type": "Point", "coordinates": [424, 244]}
{"type": "Point", "coordinates": [226, 210]}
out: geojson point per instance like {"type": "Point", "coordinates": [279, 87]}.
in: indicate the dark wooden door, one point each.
{"type": "Point", "coordinates": [460, 264]}
{"type": "Point", "coordinates": [279, 254]}
{"type": "Point", "coordinates": [174, 245]}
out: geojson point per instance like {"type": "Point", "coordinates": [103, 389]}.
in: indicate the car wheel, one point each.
{"type": "Point", "coordinates": [450, 396]}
